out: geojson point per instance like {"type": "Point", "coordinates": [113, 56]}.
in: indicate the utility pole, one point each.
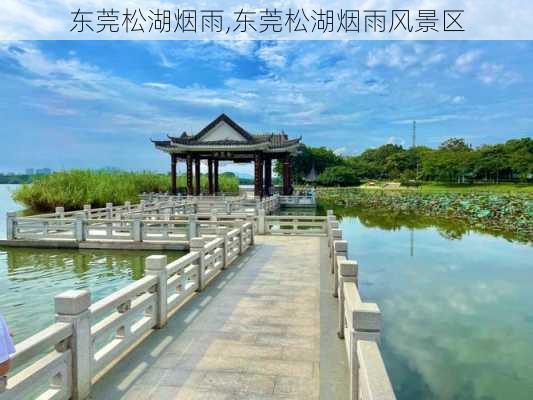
{"type": "Point", "coordinates": [414, 147]}
{"type": "Point", "coordinates": [414, 134]}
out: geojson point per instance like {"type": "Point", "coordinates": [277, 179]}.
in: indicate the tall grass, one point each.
{"type": "Point", "coordinates": [72, 189]}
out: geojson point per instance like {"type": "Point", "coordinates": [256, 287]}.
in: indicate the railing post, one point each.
{"type": "Point", "coordinates": [87, 210]}
{"type": "Point", "coordinates": [213, 215]}
{"type": "Point", "coordinates": [241, 239]}
{"type": "Point", "coordinates": [331, 224]}
{"type": "Point", "coordinates": [366, 326]}
{"type": "Point", "coordinates": [11, 222]}
{"type": "Point", "coordinates": [80, 224]}
{"type": "Point", "coordinates": [222, 231]}
{"type": "Point", "coordinates": [336, 234]}
{"type": "Point", "coordinates": [136, 228]}
{"type": "Point", "coordinates": [127, 206]}
{"type": "Point", "coordinates": [193, 226]}
{"type": "Point", "coordinates": [252, 234]}
{"type": "Point", "coordinates": [197, 244]}
{"type": "Point", "coordinates": [157, 266]}
{"type": "Point", "coordinates": [348, 270]}
{"type": "Point", "coordinates": [73, 307]}
{"type": "Point", "coordinates": [261, 228]}
{"type": "Point", "coordinates": [60, 212]}
{"type": "Point", "coordinates": [340, 248]}
{"type": "Point", "coordinates": [109, 210]}
{"type": "Point", "coordinates": [228, 207]}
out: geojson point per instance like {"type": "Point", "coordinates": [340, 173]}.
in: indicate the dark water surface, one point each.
{"type": "Point", "coordinates": [457, 305]}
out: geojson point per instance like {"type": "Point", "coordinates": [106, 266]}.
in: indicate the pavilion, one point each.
{"type": "Point", "coordinates": [224, 140]}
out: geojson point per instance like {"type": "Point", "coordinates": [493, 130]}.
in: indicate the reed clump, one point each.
{"type": "Point", "coordinates": [74, 188]}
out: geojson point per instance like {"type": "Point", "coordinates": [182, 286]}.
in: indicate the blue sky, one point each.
{"type": "Point", "coordinates": [92, 104]}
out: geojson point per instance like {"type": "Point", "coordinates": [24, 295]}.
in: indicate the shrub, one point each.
{"type": "Point", "coordinates": [338, 176]}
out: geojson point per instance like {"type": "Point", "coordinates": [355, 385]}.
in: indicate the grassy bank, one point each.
{"type": "Point", "coordinates": [437, 187]}
{"type": "Point", "coordinates": [510, 212]}
{"type": "Point", "coordinates": [477, 188]}
{"type": "Point", "coordinates": [72, 189]}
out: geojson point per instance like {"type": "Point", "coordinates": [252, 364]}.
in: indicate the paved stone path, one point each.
{"type": "Point", "coordinates": [254, 333]}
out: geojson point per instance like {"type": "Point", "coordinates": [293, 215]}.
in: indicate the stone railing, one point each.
{"type": "Point", "coordinates": [291, 225]}
{"type": "Point", "coordinates": [164, 196]}
{"type": "Point", "coordinates": [111, 211]}
{"type": "Point", "coordinates": [359, 323]}
{"type": "Point", "coordinates": [63, 360]}
{"type": "Point", "coordinates": [307, 200]}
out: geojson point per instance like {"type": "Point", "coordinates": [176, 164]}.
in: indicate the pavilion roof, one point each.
{"type": "Point", "coordinates": [240, 140]}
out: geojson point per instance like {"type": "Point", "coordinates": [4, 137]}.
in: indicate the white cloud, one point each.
{"type": "Point", "coordinates": [458, 100]}
{"type": "Point", "coordinates": [490, 73]}
{"type": "Point", "coordinates": [395, 140]}
{"type": "Point", "coordinates": [340, 151]}
{"type": "Point", "coordinates": [403, 56]}
{"type": "Point", "coordinates": [465, 62]}
{"type": "Point", "coordinates": [275, 56]}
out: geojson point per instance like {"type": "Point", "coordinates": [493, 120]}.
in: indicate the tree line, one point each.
{"type": "Point", "coordinates": [454, 161]}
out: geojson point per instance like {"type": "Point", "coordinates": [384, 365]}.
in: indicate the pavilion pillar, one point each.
{"type": "Point", "coordinates": [189, 175]}
{"type": "Point", "coordinates": [215, 165]}
{"type": "Point", "coordinates": [268, 176]}
{"type": "Point", "coordinates": [286, 176]}
{"type": "Point", "coordinates": [197, 188]}
{"type": "Point", "coordinates": [210, 175]}
{"type": "Point", "coordinates": [258, 175]}
{"type": "Point", "coordinates": [173, 162]}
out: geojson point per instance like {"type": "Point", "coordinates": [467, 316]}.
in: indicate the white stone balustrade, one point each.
{"type": "Point", "coordinates": [294, 224]}
{"type": "Point", "coordinates": [88, 338]}
{"type": "Point", "coordinates": [359, 324]}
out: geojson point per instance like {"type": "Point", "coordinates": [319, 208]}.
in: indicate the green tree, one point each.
{"type": "Point", "coordinates": [318, 157]}
{"type": "Point", "coordinates": [338, 176]}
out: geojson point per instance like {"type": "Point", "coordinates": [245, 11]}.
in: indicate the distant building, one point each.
{"type": "Point", "coordinates": [30, 171]}
{"type": "Point", "coordinates": [43, 171]}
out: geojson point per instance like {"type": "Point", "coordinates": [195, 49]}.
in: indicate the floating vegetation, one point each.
{"type": "Point", "coordinates": [511, 212]}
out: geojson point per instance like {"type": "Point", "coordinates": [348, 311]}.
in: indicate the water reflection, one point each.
{"type": "Point", "coordinates": [452, 229]}
{"type": "Point", "coordinates": [30, 278]}
{"type": "Point", "coordinates": [456, 305]}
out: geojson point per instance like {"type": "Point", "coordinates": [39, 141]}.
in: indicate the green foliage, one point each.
{"type": "Point", "coordinates": [338, 176]}
{"type": "Point", "coordinates": [511, 212]}
{"type": "Point", "coordinates": [72, 189]}
{"type": "Point", "coordinates": [453, 162]}
{"type": "Point", "coordinates": [318, 157]}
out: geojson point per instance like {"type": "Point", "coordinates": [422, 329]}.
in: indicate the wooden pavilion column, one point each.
{"type": "Point", "coordinates": [210, 176]}
{"type": "Point", "coordinates": [286, 175]}
{"type": "Point", "coordinates": [258, 175]}
{"type": "Point", "coordinates": [197, 188]}
{"type": "Point", "coordinates": [189, 175]}
{"type": "Point", "coordinates": [268, 176]}
{"type": "Point", "coordinates": [173, 162]}
{"type": "Point", "coordinates": [215, 165]}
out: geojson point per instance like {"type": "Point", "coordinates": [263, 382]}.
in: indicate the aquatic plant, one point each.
{"type": "Point", "coordinates": [512, 212]}
{"type": "Point", "coordinates": [72, 189]}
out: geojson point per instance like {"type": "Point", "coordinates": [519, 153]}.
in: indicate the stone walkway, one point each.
{"type": "Point", "coordinates": [254, 333]}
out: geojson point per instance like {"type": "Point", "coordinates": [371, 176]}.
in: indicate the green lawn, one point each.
{"type": "Point", "coordinates": [435, 187]}
{"type": "Point", "coordinates": [496, 188]}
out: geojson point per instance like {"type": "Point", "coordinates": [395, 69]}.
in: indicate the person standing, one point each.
{"type": "Point", "coordinates": [6, 349]}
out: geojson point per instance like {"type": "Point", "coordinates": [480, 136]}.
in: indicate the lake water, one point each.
{"type": "Point", "coordinates": [457, 305]}
{"type": "Point", "coordinates": [30, 278]}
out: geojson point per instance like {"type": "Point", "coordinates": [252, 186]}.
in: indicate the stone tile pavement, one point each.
{"type": "Point", "coordinates": [255, 332]}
